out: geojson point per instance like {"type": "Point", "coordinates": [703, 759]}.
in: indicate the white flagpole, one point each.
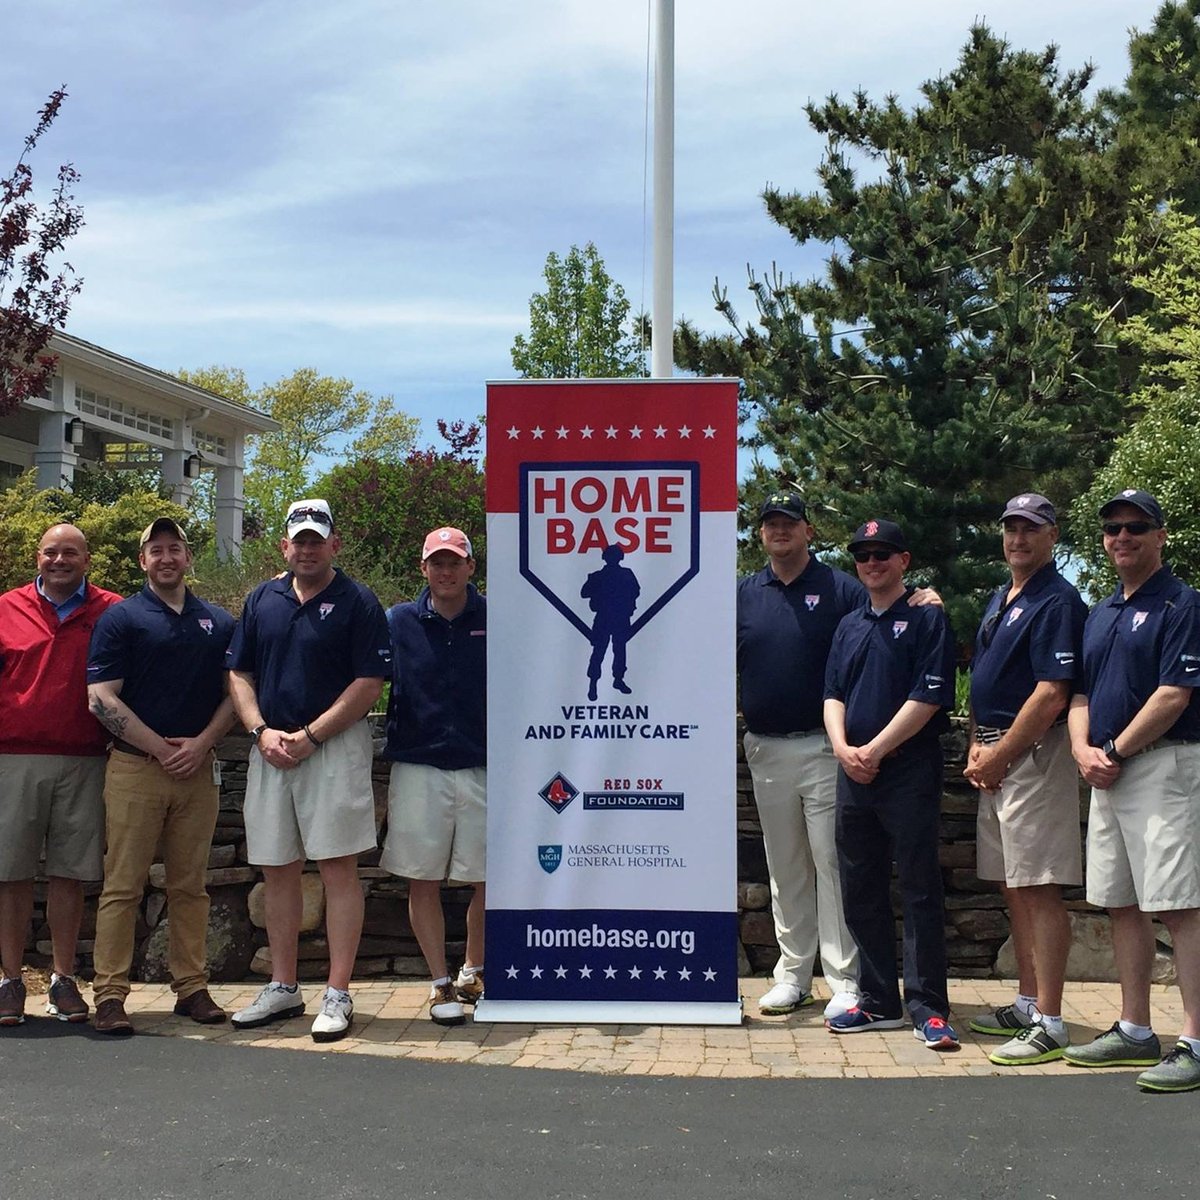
{"type": "Point", "coordinates": [662, 305]}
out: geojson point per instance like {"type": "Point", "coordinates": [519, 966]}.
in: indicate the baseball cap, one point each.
{"type": "Point", "coordinates": [1138, 499]}
{"type": "Point", "coordinates": [447, 538]}
{"type": "Point", "coordinates": [791, 504]}
{"type": "Point", "coordinates": [309, 514]}
{"type": "Point", "coordinates": [1033, 507]}
{"type": "Point", "coordinates": [163, 525]}
{"type": "Point", "coordinates": [876, 530]}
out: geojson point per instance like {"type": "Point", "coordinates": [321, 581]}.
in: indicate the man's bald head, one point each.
{"type": "Point", "coordinates": [63, 560]}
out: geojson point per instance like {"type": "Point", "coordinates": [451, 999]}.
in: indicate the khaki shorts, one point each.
{"type": "Point", "coordinates": [53, 802]}
{"type": "Point", "coordinates": [437, 823]}
{"type": "Point", "coordinates": [1027, 833]}
{"type": "Point", "coordinates": [1144, 834]}
{"type": "Point", "coordinates": [324, 808]}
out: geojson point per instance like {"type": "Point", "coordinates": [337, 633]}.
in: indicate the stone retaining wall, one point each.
{"type": "Point", "coordinates": [976, 920]}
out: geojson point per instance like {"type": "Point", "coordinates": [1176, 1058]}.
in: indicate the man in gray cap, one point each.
{"type": "Point", "coordinates": [1135, 733]}
{"type": "Point", "coordinates": [1026, 660]}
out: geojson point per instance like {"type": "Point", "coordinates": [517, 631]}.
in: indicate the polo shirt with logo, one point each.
{"type": "Point", "coordinates": [784, 631]}
{"type": "Point", "coordinates": [171, 663]}
{"type": "Point", "coordinates": [1132, 647]}
{"type": "Point", "coordinates": [304, 656]}
{"type": "Point", "coordinates": [1036, 638]}
{"type": "Point", "coordinates": [878, 661]}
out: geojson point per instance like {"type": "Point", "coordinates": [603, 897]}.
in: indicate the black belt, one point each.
{"type": "Point", "coordinates": [989, 735]}
{"type": "Point", "coordinates": [130, 748]}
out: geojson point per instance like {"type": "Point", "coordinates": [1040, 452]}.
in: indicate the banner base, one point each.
{"type": "Point", "coordinates": [607, 1012]}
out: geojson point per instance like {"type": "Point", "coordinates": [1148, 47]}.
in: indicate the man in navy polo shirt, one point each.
{"type": "Point", "coordinates": [307, 662]}
{"type": "Point", "coordinates": [437, 741]}
{"type": "Point", "coordinates": [156, 682]}
{"type": "Point", "coordinates": [888, 684]}
{"type": "Point", "coordinates": [1027, 652]}
{"type": "Point", "coordinates": [1135, 733]}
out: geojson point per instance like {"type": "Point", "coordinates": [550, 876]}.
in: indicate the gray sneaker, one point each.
{"type": "Point", "coordinates": [1002, 1022]}
{"type": "Point", "coordinates": [1034, 1044]}
{"type": "Point", "coordinates": [1115, 1049]}
{"type": "Point", "coordinates": [1179, 1071]}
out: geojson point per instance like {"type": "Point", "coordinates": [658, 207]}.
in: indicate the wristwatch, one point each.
{"type": "Point", "coordinates": [256, 732]}
{"type": "Point", "coordinates": [1110, 751]}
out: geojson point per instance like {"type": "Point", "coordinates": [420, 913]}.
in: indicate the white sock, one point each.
{"type": "Point", "coordinates": [437, 983]}
{"type": "Point", "coordinates": [287, 987]}
{"type": "Point", "coordinates": [1140, 1032]}
{"type": "Point", "coordinates": [1193, 1042]}
{"type": "Point", "coordinates": [1025, 1005]}
{"type": "Point", "coordinates": [1054, 1025]}
{"type": "Point", "coordinates": [469, 971]}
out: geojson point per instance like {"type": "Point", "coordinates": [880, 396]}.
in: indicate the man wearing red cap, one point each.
{"type": "Point", "coordinates": [437, 741]}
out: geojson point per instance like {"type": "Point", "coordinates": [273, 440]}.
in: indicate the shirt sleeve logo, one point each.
{"type": "Point", "coordinates": [1139, 619]}
{"type": "Point", "coordinates": [325, 609]}
{"type": "Point", "coordinates": [898, 627]}
{"type": "Point", "coordinates": [811, 602]}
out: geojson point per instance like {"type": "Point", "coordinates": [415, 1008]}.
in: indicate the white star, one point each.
{"type": "Point", "coordinates": [560, 972]}
{"type": "Point", "coordinates": [561, 431]}
{"type": "Point", "coordinates": [635, 972]}
{"type": "Point", "coordinates": [684, 973]}
{"type": "Point", "coordinates": [585, 972]}
{"type": "Point", "coordinates": [512, 972]}
{"type": "Point", "coordinates": [660, 431]}
{"type": "Point", "coordinates": [611, 431]}
{"type": "Point", "coordinates": [610, 972]}
{"type": "Point", "coordinates": [635, 432]}
{"type": "Point", "coordinates": [586, 431]}
{"type": "Point", "coordinates": [536, 972]}
{"type": "Point", "coordinates": [710, 975]}
{"type": "Point", "coordinates": [513, 432]}
{"type": "Point", "coordinates": [659, 973]}
{"type": "Point", "coordinates": [684, 431]}
{"type": "Point", "coordinates": [709, 431]}
{"type": "Point", "coordinates": [537, 431]}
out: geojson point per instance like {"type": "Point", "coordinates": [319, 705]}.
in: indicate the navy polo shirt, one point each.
{"type": "Point", "coordinates": [304, 656]}
{"type": "Point", "coordinates": [437, 712]}
{"type": "Point", "coordinates": [1036, 638]}
{"type": "Point", "coordinates": [172, 664]}
{"type": "Point", "coordinates": [1131, 647]}
{"type": "Point", "coordinates": [876, 663]}
{"type": "Point", "coordinates": [784, 631]}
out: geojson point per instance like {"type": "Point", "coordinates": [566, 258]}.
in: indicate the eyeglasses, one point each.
{"type": "Point", "coordinates": [316, 515]}
{"type": "Point", "coordinates": [863, 556]}
{"type": "Point", "coordinates": [1136, 528]}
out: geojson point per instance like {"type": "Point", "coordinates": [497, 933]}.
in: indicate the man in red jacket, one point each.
{"type": "Point", "coordinates": [52, 756]}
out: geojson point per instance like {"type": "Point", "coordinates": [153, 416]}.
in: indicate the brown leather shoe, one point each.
{"type": "Point", "coordinates": [201, 1007]}
{"type": "Point", "coordinates": [110, 1018]}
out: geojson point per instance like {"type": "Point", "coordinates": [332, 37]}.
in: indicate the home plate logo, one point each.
{"type": "Point", "coordinates": [609, 542]}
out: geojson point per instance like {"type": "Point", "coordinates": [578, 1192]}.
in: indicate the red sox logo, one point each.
{"type": "Point", "coordinates": [872, 528]}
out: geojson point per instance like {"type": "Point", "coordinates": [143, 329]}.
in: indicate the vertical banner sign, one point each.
{"type": "Point", "coordinates": [611, 868]}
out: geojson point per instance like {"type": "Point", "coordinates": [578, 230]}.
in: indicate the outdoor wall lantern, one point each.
{"type": "Point", "coordinates": [75, 432]}
{"type": "Point", "coordinates": [191, 467]}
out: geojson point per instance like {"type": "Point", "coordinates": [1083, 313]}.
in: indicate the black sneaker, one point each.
{"type": "Point", "coordinates": [12, 1002]}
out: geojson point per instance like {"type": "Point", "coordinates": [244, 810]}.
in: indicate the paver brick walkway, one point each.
{"type": "Point", "coordinates": [390, 1021]}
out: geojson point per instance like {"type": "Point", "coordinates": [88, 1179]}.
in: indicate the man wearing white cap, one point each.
{"type": "Point", "coordinates": [307, 662]}
{"type": "Point", "coordinates": [437, 741]}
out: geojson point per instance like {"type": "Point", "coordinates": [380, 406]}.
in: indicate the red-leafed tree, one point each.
{"type": "Point", "coordinates": [34, 297]}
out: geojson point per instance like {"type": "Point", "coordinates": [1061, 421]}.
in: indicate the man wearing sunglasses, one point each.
{"type": "Point", "coordinates": [1027, 656]}
{"type": "Point", "coordinates": [307, 662]}
{"type": "Point", "coordinates": [1135, 733]}
{"type": "Point", "coordinates": [888, 684]}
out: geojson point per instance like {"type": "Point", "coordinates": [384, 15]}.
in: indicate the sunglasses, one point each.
{"type": "Point", "coordinates": [1137, 528]}
{"type": "Point", "coordinates": [308, 514]}
{"type": "Point", "coordinates": [863, 556]}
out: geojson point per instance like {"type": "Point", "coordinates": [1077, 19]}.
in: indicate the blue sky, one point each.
{"type": "Point", "coordinates": [371, 187]}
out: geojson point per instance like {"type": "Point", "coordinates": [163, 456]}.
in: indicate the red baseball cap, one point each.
{"type": "Point", "coordinates": [447, 538]}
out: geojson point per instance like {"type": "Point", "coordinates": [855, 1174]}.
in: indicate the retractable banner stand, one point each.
{"type": "Point", "coordinates": [611, 869]}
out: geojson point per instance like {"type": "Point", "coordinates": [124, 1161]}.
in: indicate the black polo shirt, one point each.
{"type": "Point", "coordinates": [1036, 638]}
{"type": "Point", "coordinates": [1132, 647]}
{"type": "Point", "coordinates": [304, 656]}
{"type": "Point", "coordinates": [784, 632]}
{"type": "Point", "coordinates": [172, 664]}
{"type": "Point", "coordinates": [876, 663]}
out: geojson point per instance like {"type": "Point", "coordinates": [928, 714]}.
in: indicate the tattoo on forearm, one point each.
{"type": "Point", "coordinates": [110, 718]}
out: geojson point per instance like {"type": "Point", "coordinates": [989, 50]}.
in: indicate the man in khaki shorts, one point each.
{"type": "Point", "coordinates": [52, 754]}
{"type": "Point", "coordinates": [156, 681]}
{"type": "Point", "coordinates": [1026, 660]}
{"type": "Point", "coordinates": [307, 662]}
{"type": "Point", "coordinates": [437, 741]}
{"type": "Point", "coordinates": [1135, 733]}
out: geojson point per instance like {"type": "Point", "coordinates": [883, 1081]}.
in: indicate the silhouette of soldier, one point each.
{"type": "Point", "coordinates": [611, 593]}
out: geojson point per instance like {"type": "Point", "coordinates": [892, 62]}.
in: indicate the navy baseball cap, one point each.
{"type": "Point", "coordinates": [878, 532]}
{"type": "Point", "coordinates": [791, 504]}
{"type": "Point", "coordinates": [1033, 507]}
{"type": "Point", "coordinates": [1138, 499]}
